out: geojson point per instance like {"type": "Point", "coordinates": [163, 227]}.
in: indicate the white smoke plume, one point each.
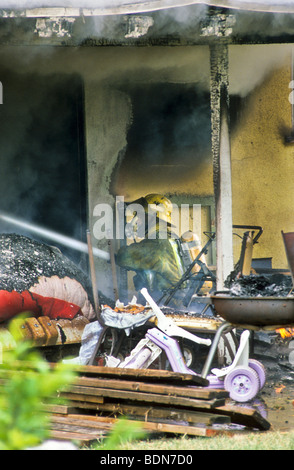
{"type": "Point", "coordinates": [249, 65]}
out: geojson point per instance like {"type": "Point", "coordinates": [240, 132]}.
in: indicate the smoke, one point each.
{"type": "Point", "coordinates": [40, 174]}
{"type": "Point", "coordinates": [249, 65]}
{"type": "Point", "coordinates": [171, 123]}
{"type": "Point", "coordinates": [173, 132]}
{"type": "Point", "coordinates": [21, 4]}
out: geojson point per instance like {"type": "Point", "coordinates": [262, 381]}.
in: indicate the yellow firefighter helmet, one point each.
{"type": "Point", "coordinates": [157, 203]}
{"type": "Point", "coordinates": [161, 205]}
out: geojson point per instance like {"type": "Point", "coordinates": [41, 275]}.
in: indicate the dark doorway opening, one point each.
{"type": "Point", "coordinates": [42, 151]}
{"type": "Point", "coordinates": [171, 126]}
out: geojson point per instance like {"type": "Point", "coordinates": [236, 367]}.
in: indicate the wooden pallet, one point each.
{"type": "Point", "coordinates": [155, 375]}
{"type": "Point", "coordinates": [160, 401]}
{"type": "Point", "coordinates": [87, 429]}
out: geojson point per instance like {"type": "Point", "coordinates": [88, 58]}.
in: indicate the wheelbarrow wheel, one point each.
{"type": "Point", "coordinates": [260, 369]}
{"type": "Point", "coordinates": [242, 383]}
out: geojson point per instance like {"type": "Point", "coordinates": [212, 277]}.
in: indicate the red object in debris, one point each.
{"type": "Point", "coordinates": [14, 303]}
{"type": "Point", "coordinates": [56, 308]}
{"type": "Point", "coordinates": [280, 389]}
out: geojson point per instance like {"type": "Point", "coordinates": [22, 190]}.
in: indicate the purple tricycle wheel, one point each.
{"type": "Point", "coordinates": [242, 383]}
{"type": "Point", "coordinates": [260, 369]}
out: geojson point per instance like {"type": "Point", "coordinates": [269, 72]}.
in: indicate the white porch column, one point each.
{"type": "Point", "coordinates": [221, 161]}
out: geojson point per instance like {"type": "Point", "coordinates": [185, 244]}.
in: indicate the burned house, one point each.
{"type": "Point", "coordinates": [125, 101]}
{"type": "Point", "coordinates": [106, 102]}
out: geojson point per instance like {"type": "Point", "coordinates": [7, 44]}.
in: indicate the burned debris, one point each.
{"type": "Point", "coordinates": [53, 294]}
{"type": "Point", "coordinates": [261, 285]}
{"type": "Point", "coordinates": [24, 260]}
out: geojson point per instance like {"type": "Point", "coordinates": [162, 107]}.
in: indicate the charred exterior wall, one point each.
{"type": "Point", "coordinates": [169, 142]}
{"type": "Point", "coordinates": [108, 116]}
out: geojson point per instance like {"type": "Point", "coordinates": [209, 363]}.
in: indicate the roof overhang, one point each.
{"type": "Point", "coordinates": [43, 8]}
{"type": "Point", "coordinates": [149, 22]}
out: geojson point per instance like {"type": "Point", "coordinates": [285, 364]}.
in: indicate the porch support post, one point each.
{"type": "Point", "coordinates": [221, 153]}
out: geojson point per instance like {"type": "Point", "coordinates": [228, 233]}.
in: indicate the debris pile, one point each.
{"type": "Point", "coordinates": [31, 271]}
{"type": "Point", "coordinates": [163, 402]}
{"type": "Point", "coordinates": [55, 294]}
{"type": "Point", "coordinates": [24, 260]}
{"type": "Point", "coordinates": [255, 285]}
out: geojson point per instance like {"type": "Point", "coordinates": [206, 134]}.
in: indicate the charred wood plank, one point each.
{"type": "Point", "coordinates": [94, 427]}
{"type": "Point", "coordinates": [245, 416]}
{"type": "Point", "coordinates": [155, 413]}
{"type": "Point", "coordinates": [149, 413]}
{"type": "Point", "coordinates": [85, 426]}
{"type": "Point", "coordinates": [75, 396]}
{"type": "Point", "coordinates": [85, 392]}
{"type": "Point", "coordinates": [169, 390]}
{"type": "Point", "coordinates": [162, 376]}
{"type": "Point", "coordinates": [80, 438]}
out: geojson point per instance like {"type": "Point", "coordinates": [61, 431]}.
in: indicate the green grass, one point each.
{"type": "Point", "coordinates": [244, 441]}
{"type": "Point", "coordinates": [127, 435]}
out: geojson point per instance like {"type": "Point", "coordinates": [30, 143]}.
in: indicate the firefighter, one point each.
{"type": "Point", "coordinates": [157, 259]}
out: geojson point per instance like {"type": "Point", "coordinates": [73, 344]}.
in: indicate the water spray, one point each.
{"type": "Point", "coordinates": [54, 236]}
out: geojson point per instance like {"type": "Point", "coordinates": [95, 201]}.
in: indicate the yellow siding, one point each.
{"type": "Point", "coordinates": [263, 166]}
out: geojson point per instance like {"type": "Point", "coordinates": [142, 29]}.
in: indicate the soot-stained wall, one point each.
{"type": "Point", "coordinates": [169, 142]}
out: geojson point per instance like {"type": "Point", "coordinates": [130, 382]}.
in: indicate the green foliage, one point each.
{"type": "Point", "coordinates": [124, 431]}
{"type": "Point", "coordinates": [27, 382]}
